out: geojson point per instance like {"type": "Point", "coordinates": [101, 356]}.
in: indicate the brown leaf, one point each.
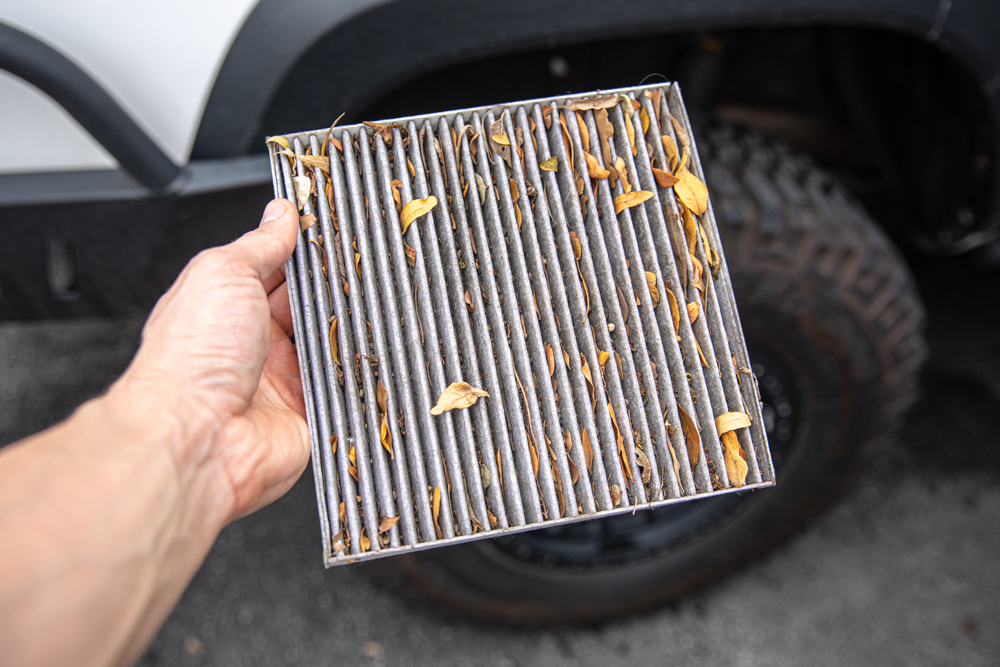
{"type": "Point", "coordinates": [673, 457]}
{"type": "Point", "coordinates": [574, 472]}
{"type": "Point", "coordinates": [584, 132]}
{"type": "Point", "coordinates": [593, 103]}
{"type": "Point", "coordinates": [306, 221]}
{"type": "Point", "coordinates": [631, 199]}
{"type": "Point", "coordinates": [365, 543]}
{"type": "Point", "coordinates": [605, 131]}
{"type": "Point", "coordinates": [588, 450]}
{"type": "Point", "coordinates": [595, 170]}
{"type": "Point", "coordinates": [482, 187]}
{"type": "Point", "coordinates": [551, 358]}
{"type": "Point", "coordinates": [682, 135]}
{"type": "Point", "coordinates": [416, 208]}
{"type": "Point", "coordinates": [664, 178]}
{"type": "Point", "coordinates": [382, 131]}
{"type": "Point", "coordinates": [691, 191]}
{"type": "Point", "coordinates": [497, 132]}
{"type": "Point", "coordinates": [312, 161]}
{"type": "Point", "coordinates": [654, 293]}
{"type": "Point", "coordinates": [575, 241]}
{"type": "Point", "coordinates": [411, 254]}
{"type": "Point", "coordinates": [333, 444]}
{"type": "Point", "coordinates": [396, 186]}
{"type": "Point", "coordinates": [621, 443]}
{"type": "Point", "coordinates": [690, 229]}
{"type": "Point", "coordinates": [333, 342]}
{"type": "Point", "coordinates": [468, 302]}
{"type": "Point", "coordinates": [547, 116]}
{"type": "Point", "coordinates": [616, 495]}
{"type": "Point", "coordinates": [515, 197]}
{"type": "Point", "coordinates": [587, 376]}
{"type": "Point", "coordinates": [303, 189]}
{"type": "Point", "coordinates": [381, 397]}
{"type": "Point", "coordinates": [386, 523]}
{"type": "Point", "coordinates": [644, 465]}
{"type": "Point", "coordinates": [736, 467]}
{"type": "Point", "coordinates": [550, 164]}
{"type": "Point", "coordinates": [493, 520]}
{"type": "Point", "coordinates": [456, 396]}
{"type": "Point", "coordinates": [627, 113]}
{"type": "Point", "coordinates": [436, 510]}
{"type": "Point", "coordinates": [691, 435]}
{"type": "Point", "coordinates": [693, 310]}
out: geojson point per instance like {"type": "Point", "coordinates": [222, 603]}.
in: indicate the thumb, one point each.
{"type": "Point", "coordinates": [272, 243]}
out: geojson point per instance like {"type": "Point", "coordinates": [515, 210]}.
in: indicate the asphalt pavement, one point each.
{"type": "Point", "coordinates": [904, 570]}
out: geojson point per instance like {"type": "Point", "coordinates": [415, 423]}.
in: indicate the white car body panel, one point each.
{"type": "Point", "coordinates": [158, 60]}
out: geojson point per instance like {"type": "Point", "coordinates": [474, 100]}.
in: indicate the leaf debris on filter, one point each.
{"type": "Point", "coordinates": [691, 191]}
{"type": "Point", "coordinates": [594, 169]}
{"type": "Point", "coordinates": [416, 208]}
{"type": "Point", "coordinates": [381, 397]}
{"type": "Point", "coordinates": [550, 164]}
{"type": "Point", "coordinates": [670, 150]}
{"type": "Point", "coordinates": [664, 178]}
{"type": "Point", "coordinates": [436, 510]}
{"type": "Point", "coordinates": [456, 396]}
{"type": "Point", "coordinates": [468, 302]}
{"type": "Point", "coordinates": [621, 443]}
{"type": "Point", "coordinates": [654, 293]}
{"type": "Point", "coordinates": [623, 174]}
{"type": "Point", "coordinates": [691, 435]}
{"type": "Point", "coordinates": [306, 221]}
{"type": "Point", "coordinates": [693, 310]}
{"type": "Point", "coordinates": [386, 523]}
{"type": "Point", "coordinates": [303, 189]}
{"type": "Point", "coordinates": [736, 465]}
{"type": "Point", "coordinates": [281, 141]}
{"type": "Point", "coordinates": [605, 102]}
{"type": "Point", "coordinates": [588, 450]}
{"type": "Point", "coordinates": [630, 199]}
{"type": "Point", "coordinates": [411, 254]}
{"type": "Point", "coordinates": [616, 495]}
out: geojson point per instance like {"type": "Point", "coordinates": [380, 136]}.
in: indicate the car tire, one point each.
{"type": "Point", "coordinates": [834, 324]}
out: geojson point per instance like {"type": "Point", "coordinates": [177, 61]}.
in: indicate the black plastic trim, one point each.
{"type": "Point", "coordinates": [55, 75]}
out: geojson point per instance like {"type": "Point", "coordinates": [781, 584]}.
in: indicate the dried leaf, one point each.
{"type": "Point", "coordinates": [303, 189]}
{"type": "Point", "coordinates": [588, 450]}
{"type": "Point", "coordinates": [575, 242]}
{"type": "Point", "coordinates": [396, 186]}
{"type": "Point", "coordinates": [457, 396]}
{"type": "Point", "coordinates": [436, 510]}
{"type": "Point", "coordinates": [281, 141]}
{"type": "Point", "coordinates": [593, 103]}
{"type": "Point", "coordinates": [585, 368]}
{"type": "Point", "coordinates": [616, 495]}
{"type": "Point", "coordinates": [333, 444]}
{"type": "Point", "coordinates": [550, 164]}
{"type": "Point", "coordinates": [605, 131]}
{"type": "Point", "coordinates": [654, 293]}
{"type": "Point", "coordinates": [644, 119]}
{"type": "Point", "coordinates": [621, 443]}
{"type": "Point", "coordinates": [690, 229]}
{"type": "Point", "coordinates": [333, 342]}
{"type": "Point", "coordinates": [498, 134]}
{"type": "Point", "coordinates": [623, 174]}
{"type": "Point", "coordinates": [602, 357]}
{"type": "Point", "coordinates": [736, 467]}
{"type": "Point", "coordinates": [574, 472]}
{"type": "Point", "coordinates": [481, 186]}
{"type": "Point", "coordinates": [493, 520]}
{"type": "Point", "coordinates": [386, 436]}
{"type": "Point", "coordinates": [731, 421]}
{"type": "Point", "coordinates": [381, 397]}
{"type": "Point", "coordinates": [416, 208]}
{"type": "Point", "coordinates": [630, 199]}
{"type": "Point", "coordinates": [484, 476]}
{"type": "Point", "coordinates": [547, 116]}
{"type": "Point", "coordinates": [664, 178]}
{"type": "Point", "coordinates": [644, 465]}
{"type": "Point", "coordinates": [691, 435]}
{"type": "Point", "coordinates": [595, 170]}
{"type": "Point", "coordinates": [382, 131]}
{"type": "Point", "coordinates": [312, 161]}
{"type": "Point", "coordinates": [682, 135]}
{"type": "Point", "coordinates": [691, 191]}
{"type": "Point", "coordinates": [365, 543]}
{"type": "Point", "coordinates": [468, 302]}
{"type": "Point", "coordinates": [673, 456]}
{"type": "Point", "coordinates": [306, 221]}
{"type": "Point", "coordinates": [670, 150]}
{"type": "Point", "coordinates": [584, 132]}
{"type": "Point", "coordinates": [701, 355]}
{"type": "Point", "coordinates": [386, 523]}
{"type": "Point", "coordinates": [515, 197]}
{"type": "Point", "coordinates": [693, 310]}
{"type": "Point", "coordinates": [551, 358]}
{"type": "Point", "coordinates": [411, 254]}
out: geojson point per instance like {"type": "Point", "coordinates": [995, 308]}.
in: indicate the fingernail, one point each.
{"type": "Point", "coordinates": [272, 211]}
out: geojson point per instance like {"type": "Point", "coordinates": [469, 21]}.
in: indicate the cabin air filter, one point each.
{"type": "Point", "coordinates": [513, 317]}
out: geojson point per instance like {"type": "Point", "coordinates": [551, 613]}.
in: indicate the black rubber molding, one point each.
{"type": "Point", "coordinates": [91, 106]}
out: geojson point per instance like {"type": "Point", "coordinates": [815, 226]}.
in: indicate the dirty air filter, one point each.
{"type": "Point", "coordinates": [513, 317]}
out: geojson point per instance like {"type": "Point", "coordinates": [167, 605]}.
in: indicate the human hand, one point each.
{"type": "Point", "coordinates": [217, 362]}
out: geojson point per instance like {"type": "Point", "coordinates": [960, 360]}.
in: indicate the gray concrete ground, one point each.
{"type": "Point", "coordinates": [903, 571]}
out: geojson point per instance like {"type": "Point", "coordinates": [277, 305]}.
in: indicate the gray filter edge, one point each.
{"type": "Point", "coordinates": [471, 309]}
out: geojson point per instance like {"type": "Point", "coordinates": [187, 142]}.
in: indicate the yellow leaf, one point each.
{"type": "Point", "coordinates": [675, 312]}
{"type": "Point", "coordinates": [623, 174]}
{"type": "Point", "coordinates": [644, 118]}
{"type": "Point", "coordinates": [691, 435]}
{"type": "Point", "coordinates": [281, 141]}
{"type": "Point", "coordinates": [605, 131]}
{"type": "Point", "coordinates": [602, 357]}
{"type": "Point", "coordinates": [498, 134]}
{"type": "Point", "coordinates": [731, 421]}
{"type": "Point", "coordinates": [333, 342]}
{"type": "Point", "coordinates": [575, 242]}
{"type": "Point", "coordinates": [621, 443]}
{"type": "Point", "coordinates": [313, 161]}
{"type": "Point", "coordinates": [670, 150]}
{"type": "Point", "coordinates": [691, 191]}
{"type": "Point", "coordinates": [588, 450]}
{"type": "Point", "coordinates": [682, 135]}
{"type": "Point", "coordinates": [630, 199]}
{"type": "Point", "coordinates": [595, 170]}
{"type": "Point", "coordinates": [457, 396]}
{"type": "Point", "coordinates": [627, 113]}
{"type": "Point", "coordinates": [333, 444]}
{"type": "Point", "coordinates": [551, 164]}
{"type": "Point", "coordinates": [585, 368]}
{"type": "Point", "coordinates": [436, 509]}
{"type": "Point", "coordinates": [736, 467]}
{"type": "Point", "coordinates": [654, 293]}
{"type": "Point", "coordinates": [386, 523]}
{"type": "Point", "coordinates": [574, 472]}
{"type": "Point", "coordinates": [386, 436]}
{"type": "Point", "coordinates": [396, 185]}
{"type": "Point", "coordinates": [690, 229]}
{"type": "Point", "coordinates": [584, 132]}
{"type": "Point", "coordinates": [593, 103]}
{"type": "Point", "coordinates": [515, 196]}
{"type": "Point", "coordinates": [693, 310]}
{"type": "Point", "coordinates": [664, 178]}
{"type": "Point", "coordinates": [366, 544]}
{"type": "Point", "coordinates": [416, 208]}
{"type": "Point", "coordinates": [303, 189]}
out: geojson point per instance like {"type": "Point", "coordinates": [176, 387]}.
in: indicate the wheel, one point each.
{"type": "Point", "coordinates": [833, 324]}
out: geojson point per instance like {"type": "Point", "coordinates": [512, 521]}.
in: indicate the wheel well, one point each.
{"type": "Point", "coordinates": [903, 124]}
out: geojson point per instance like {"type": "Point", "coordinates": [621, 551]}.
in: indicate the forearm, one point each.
{"type": "Point", "coordinates": [103, 522]}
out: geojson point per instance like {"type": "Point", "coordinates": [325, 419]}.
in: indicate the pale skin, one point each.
{"type": "Point", "coordinates": [105, 517]}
